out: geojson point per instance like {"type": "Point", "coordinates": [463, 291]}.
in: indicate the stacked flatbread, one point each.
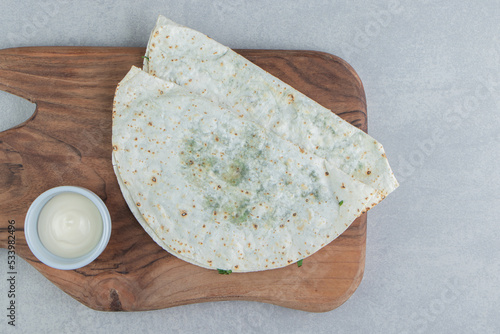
{"type": "Point", "coordinates": [227, 167]}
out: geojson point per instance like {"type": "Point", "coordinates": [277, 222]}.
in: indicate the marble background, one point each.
{"type": "Point", "coordinates": [431, 71]}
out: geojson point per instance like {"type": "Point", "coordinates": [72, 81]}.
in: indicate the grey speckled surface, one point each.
{"type": "Point", "coordinates": [431, 71]}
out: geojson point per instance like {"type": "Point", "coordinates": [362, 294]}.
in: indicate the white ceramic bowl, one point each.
{"type": "Point", "coordinates": [36, 246]}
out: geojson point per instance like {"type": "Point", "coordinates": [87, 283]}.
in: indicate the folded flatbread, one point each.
{"type": "Point", "coordinates": [227, 167]}
{"type": "Point", "coordinates": [219, 190]}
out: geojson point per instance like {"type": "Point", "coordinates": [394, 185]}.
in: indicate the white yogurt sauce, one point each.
{"type": "Point", "coordinates": [69, 225]}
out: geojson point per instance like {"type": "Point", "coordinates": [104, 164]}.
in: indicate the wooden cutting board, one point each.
{"type": "Point", "coordinates": [68, 142]}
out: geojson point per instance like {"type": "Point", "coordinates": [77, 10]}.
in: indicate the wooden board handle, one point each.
{"type": "Point", "coordinates": [11, 61]}
{"type": "Point", "coordinates": [10, 160]}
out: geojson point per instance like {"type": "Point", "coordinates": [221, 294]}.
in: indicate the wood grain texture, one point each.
{"type": "Point", "coordinates": [68, 142]}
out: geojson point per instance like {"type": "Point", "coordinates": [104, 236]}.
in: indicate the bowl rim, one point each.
{"type": "Point", "coordinates": [42, 253]}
